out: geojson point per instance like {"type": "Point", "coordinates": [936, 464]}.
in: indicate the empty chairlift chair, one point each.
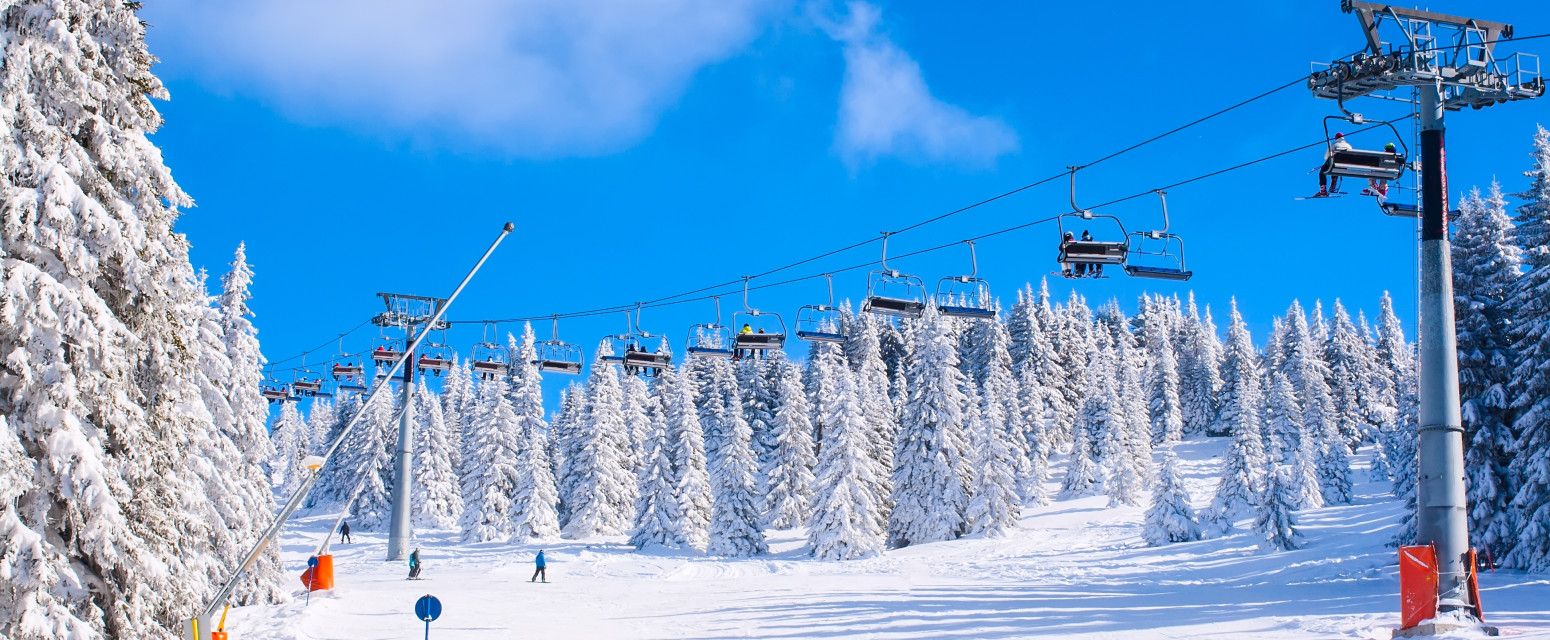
{"type": "Point", "coordinates": [892, 293]}
{"type": "Point", "coordinates": [966, 296]}
{"type": "Point", "coordinates": [555, 356]}
{"type": "Point", "coordinates": [711, 339]}
{"type": "Point", "coordinates": [1158, 255]}
{"type": "Point", "coordinates": [820, 322]}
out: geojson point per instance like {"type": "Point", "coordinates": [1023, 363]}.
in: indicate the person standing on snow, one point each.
{"type": "Point", "coordinates": [414, 564]}
{"type": "Point", "coordinates": [344, 533]}
{"type": "Point", "coordinates": [539, 570]}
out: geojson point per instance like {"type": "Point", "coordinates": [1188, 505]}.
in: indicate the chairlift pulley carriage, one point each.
{"type": "Point", "coordinates": [821, 322]}
{"type": "Point", "coordinates": [892, 293]}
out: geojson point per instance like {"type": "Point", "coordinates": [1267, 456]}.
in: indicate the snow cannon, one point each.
{"type": "Point", "coordinates": [320, 576]}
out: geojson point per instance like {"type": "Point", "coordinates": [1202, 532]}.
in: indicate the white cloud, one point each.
{"type": "Point", "coordinates": [886, 109]}
{"type": "Point", "coordinates": [530, 77]}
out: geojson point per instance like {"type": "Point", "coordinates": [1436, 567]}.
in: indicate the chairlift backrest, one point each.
{"type": "Point", "coordinates": [819, 323]}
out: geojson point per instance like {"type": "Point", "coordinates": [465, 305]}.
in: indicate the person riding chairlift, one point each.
{"type": "Point", "coordinates": [738, 354]}
{"type": "Point", "coordinates": [1327, 183]}
{"type": "Point", "coordinates": [1065, 267]}
{"type": "Point", "coordinates": [1380, 188]}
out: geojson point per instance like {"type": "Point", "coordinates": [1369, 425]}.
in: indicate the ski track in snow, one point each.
{"type": "Point", "coordinates": [1073, 568]}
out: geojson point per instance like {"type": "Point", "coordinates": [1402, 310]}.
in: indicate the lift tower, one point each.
{"type": "Point", "coordinates": [1451, 64]}
{"type": "Point", "coordinates": [410, 313]}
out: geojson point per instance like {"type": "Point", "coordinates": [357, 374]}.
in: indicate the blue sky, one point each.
{"type": "Point", "coordinates": [644, 151]}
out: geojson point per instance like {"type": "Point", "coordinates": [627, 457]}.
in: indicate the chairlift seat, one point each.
{"type": "Point", "coordinates": [647, 359]}
{"type": "Point", "coordinates": [386, 356]}
{"type": "Point", "coordinates": [1092, 252]}
{"type": "Point", "coordinates": [960, 311]}
{"type": "Point", "coordinates": [346, 371]}
{"type": "Point", "coordinates": [1358, 163]}
{"type": "Point", "coordinates": [899, 307]}
{"type": "Point", "coordinates": [433, 363]}
{"type": "Point", "coordinates": [713, 352]}
{"type": "Point", "coordinates": [307, 386]}
{"type": "Point", "coordinates": [1157, 273]}
{"type": "Point", "coordinates": [488, 367]}
{"type": "Point", "coordinates": [821, 336]}
{"type": "Point", "coordinates": [760, 340]}
{"type": "Point", "coordinates": [275, 394]}
{"type": "Point", "coordinates": [559, 366]}
{"type": "Point", "coordinates": [351, 386]}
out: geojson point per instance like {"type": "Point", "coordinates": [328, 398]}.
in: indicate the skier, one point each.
{"type": "Point", "coordinates": [1327, 183]}
{"type": "Point", "coordinates": [1065, 267]}
{"type": "Point", "coordinates": [1376, 187]}
{"type": "Point", "coordinates": [629, 369]}
{"type": "Point", "coordinates": [539, 570]}
{"type": "Point", "coordinates": [344, 533]}
{"type": "Point", "coordinates": [414, 564]}
{"type": "Point", "coordinates": [1087, 236]}
{"type": "Point", "coordinates": [744, 331]}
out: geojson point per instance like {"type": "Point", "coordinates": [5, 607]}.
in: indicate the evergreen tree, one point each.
{"type": "Point", "coordinates": [602, 499]}
{"type": "Point", "coordinates": [1054, 385]}
{"type": "Point", "coordinates": [564, 434]}
{"type": "Point", "coordinates": [846, 519]}
{"type": "Point", "coordinates": [1530, 384]}
{"type": "Point", "coordinates": [1162, 384]}
{"type": "Point", "coordinates": [637, 420]}
{"type": "Point", "coordinates": [321, 419]}
{"type": "Point", "coordinates": [1241, 401]}
{"type": "Point", "coordinates": [1083, 474]}
{"type": "Point", "coordinates": [657, 509]}
{"type": "Point", "coordinates": [289, 435]}
{"type": "Point", "coordinates": [1286, 437]}
{"type": "Point", "coordinates": [930, 493]}
{"type": "Point", "coordinates": [438, 501]}
{"type": "Point", "coordinates": [1170, 518]}
{"type": "Point", "coordinates": [337, 479]}
{"type": "Point", "coordinates": [1275, 522]}
{"type": "Point", "coordinates": [1345, 352]}
{"type": "Point", "coordinates": [1122, 480]}
{"type": "Point", "coordinates": [686, 441]}
{"type": "Point", "coordinates": [535, 497]}
{"type": "Point", "coordinates": [489, 477]}
{"type": "Point", "coordinates": [1038, 416]}
{"type": "Point", "coordinates": [789, 477]}
{"type": "Point", "coordinates": [734, 516]}
{"type": "Point", "coordinates": [865, 357]}
{"type": "Point", "coordinates": [458, 402]}
{"type": "Point", "coordinates": [1002, 407]}
{"type": "Point", "coordinates": [370, 457]}
{"type": "Point", "coordinates": [994, 503]}
{"type": "Point", "coordinates": [1307, 374]}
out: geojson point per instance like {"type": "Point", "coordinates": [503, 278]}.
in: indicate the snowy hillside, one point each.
{"type": "Point", "coordinates": [1074, 568]}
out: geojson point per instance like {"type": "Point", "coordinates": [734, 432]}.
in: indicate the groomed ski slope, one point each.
{"type": "Point", "coordinates": [1073, 569]}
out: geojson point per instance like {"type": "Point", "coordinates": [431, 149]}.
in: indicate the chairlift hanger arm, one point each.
{"type": "Point", "coordinates": [1371, 14]}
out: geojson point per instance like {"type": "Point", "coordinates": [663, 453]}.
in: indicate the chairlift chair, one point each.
{"type": "Point", "coordinates": [386, 352]}
{"type": "Point", "coordinates": [274, 391]}
{"type": "Point", "coordinates": [1082, 258]}
{"type": "Point", "coordinates": [345, 365]}
{"type": "Point", "coordinates": [891, 293]}
{"type": "Point", "coordinates": [966, 296]}
{"type": "Point", "coordinates": [711, 339]}
{"type": "Point", "coordinates": [1362, 163]}
{"type": "Point", "coordinates": [820, 322]}
{"type": "Point", "coordinates": [761, 330]}
{"type": "Point", "coordinates": [489, 358]}
{"type": "Point", "coordinates": [650, 354]}
{"type": "Point", "coordinates": [1165, 250]}
{"type": "Point", "coordinates": [307, 386]}
{"type": "Point", "coordinates": [555, 356]}
{"type": "Point", "coordinates": [435, 357]}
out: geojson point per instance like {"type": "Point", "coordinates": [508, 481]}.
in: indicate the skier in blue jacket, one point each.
{"type": "Point", "coordinates": [539, 571]}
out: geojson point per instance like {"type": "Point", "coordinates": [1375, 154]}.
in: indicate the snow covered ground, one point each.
{"type": "Point", "coordinates": [1074, 568]}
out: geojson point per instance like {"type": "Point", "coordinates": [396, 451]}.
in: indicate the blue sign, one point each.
{"type": "Point", "coordinates": [427, 608]}
{"type": "Point", "coordinates": [312, 562]}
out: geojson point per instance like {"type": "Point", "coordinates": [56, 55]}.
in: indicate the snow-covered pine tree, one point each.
{"type": "Point", "coordinates": [1393, 359]}
{"type": "Point", "coordinates": [1170, 518]}
{"type": "Point", "coordinates": [1162, 386]}
{"type": "Point", "coordinates": [321, 418]}
{"type": "Point", "coordinates": [337, 479]}
{"type": "Point", "coordinates": [489, 477]}
{"type": "Point", "coordinates": [1201, 381]}
{"type": "Point", "coordinates": [994, 502]}
{"type": "Point", "coordinates": [1072, 345]}
{"type": "Point", "coordinates": [563, 437]}
{"type": "Point", "coordinates": [734, 514]}
{"type": "Point", "coordinates": [369, 454]}
{"type": "Point", "coordinates": [1002, 407]}
{"type": "Point", "coordinates": [1241, 402]}
{"type": "Point", "coordinates": [1032, 399]}
{"type": "Point", "coordinates": [756, 386]}
{"type": "Point", "coordinates": [438, 499]}
{"type": "Point", "coordinates": [1122, 480]}
{"type": "Point", "coordinates": [1286, 441]}
{"type": "Point", "coordinates": [1345, 353]}
{"type": "Point", "coordinates": [686, 442]}
{"type": "Point", "coordinates": [602, 500]}
{"type": "Point", "coordinates": [1274, 520]}
{"type": "Point", "coordinates": [458, 400]}
{"type": "Point", "coordinates": [929, 489]}
{"type": "Point", "coordinates": [657, 511]}
{"type": "Point", "coordinates": [789, 480]}
{"type": "Point", "coordinates": [1530, 385]}
{"type": "Point", "coordinates": [846, 521]}
{"type": "Point", "coordinates": [1305, 370]}
{"type": "Point", "coordinates": [1083, 473]}
{"type": "Point", "coordinates": [289, 435]}
{"type": "Point", "coordinates": [637, 420]}
{"type": "Point", "coordinates": [535, 498]}
{"type": "Point", "coordinates": [1046, 367]}
{"type": "Point", "coordinates": [865, 357]}
{"type": "Point", "coordinates": [1486, 267]}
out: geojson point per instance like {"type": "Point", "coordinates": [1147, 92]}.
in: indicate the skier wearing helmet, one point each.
{"type": "Point", "coordinates": [1328, 183]}
{"type": "Point", "coordinates": [1380, 188]}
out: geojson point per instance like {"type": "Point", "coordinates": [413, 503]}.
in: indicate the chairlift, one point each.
{"type": "Point", "coordinates": [490, 358]}
{"type": "Point", "coordinates": [275, 391]}
{"type": "Point", "coordinates": [1164, 250]}
{"type": "Point", "coordinates": [892, 293]}
{"type": "Point", "coordinates": [558, 357]}
{"type": "Point", "coordinates": [761, 331]}
{"type": "Point", "coordinates": [638, 351]}
{"type": "Point", "coordinates": [966, 296]}
{"type": "Point", "coordinates": [1381, 165]}
{"type": "Point", "coordinates": [820, 322]}
{"type": "Point", "coordinates": [711, 339]}
{"type": "Point", "coordinates": [386, 352]}
{"type": "Point", "coordinates": [435, 357]}
{"type": "Point", "coordinates": [1085, 257]}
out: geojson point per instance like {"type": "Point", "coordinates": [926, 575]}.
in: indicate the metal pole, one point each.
{"type": "Point", "coordinates": [403, 469]}
{"type": "Point", "coordinates": [1440, 501]}
{"type": "Point", "coordinates": [200, 624]}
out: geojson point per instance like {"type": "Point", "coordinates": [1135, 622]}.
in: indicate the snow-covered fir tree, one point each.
{"type": "Point", "coordinates": [1275, 521]}
{"type": "Point", "coordinates": [1345, 352]}
{"type": "Point", "coordinates": [686, 441]}
{"type": "Point", "coordinates": [535, 498]}
{"type": "Point", "coordinates": [930, 492]}
{"type": "Point", "coordinates": [637, 419]}
{"type": "Point", "coordinates": [368, 457]}
{"type": "Point", "coordinates": [289, 435]}
{"type": "Point", "coordinates": [789, 474]}
{"type": "Point", "coordinates": [1486, 266]}
{"type": "Point", "coordinates": [1303, 366]}
{"type": "Point", "coordinates": [489, 479]}
{"type": "Point", "coordinates": [1530, 384]}
{"type": "Point", "coordinates": [321, 419]}
{"type": "Point", "coordinates": [458, 399]}
{"type": "Point", "coordinates": [1001, 406]}
{"type": "Point", "coordinates": [438, 499]}
{"type": "Point", "coordinates": [756, 386]}
{"type": "Point", "coordinates": [1162, 386]}
{"type": "Point", "coordinates": [563, 438]}
{"type": "Point", "coordinates": [1170, 518]}
{"type": "Point", "coordinates": [846, 517]}
{"type": "Point", "coordinates": [1241, 402]}
{"type": "Point", "coordinates": [337, 480]}
{"type": "Point", "coordinates": [602, 499]}
{"type": "Point", "coordinates": [734, 513]}
{"type": "Point", "coordinates": [657, 510]}
{"type": "Point", "coordinates": [1285, 440]}
{"type": "Point", "coordinates": [1083, 475]}
{"type": "Point", "coordinates": [994, 503]}
{"type": "Point", "coordinates": [865, 357]}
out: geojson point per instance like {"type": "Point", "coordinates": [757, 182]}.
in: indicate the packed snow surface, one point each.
{"type": "Point", "coordinates": [1074, 568]}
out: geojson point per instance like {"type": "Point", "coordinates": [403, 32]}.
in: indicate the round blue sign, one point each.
{"type": "Point", "coordinates": [427, 608]}
{"type": "Point", "coordinates": [312, 561]}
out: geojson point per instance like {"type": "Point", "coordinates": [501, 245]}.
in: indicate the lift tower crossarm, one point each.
{"type": "Point", "coordinates": [1370, 12]}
